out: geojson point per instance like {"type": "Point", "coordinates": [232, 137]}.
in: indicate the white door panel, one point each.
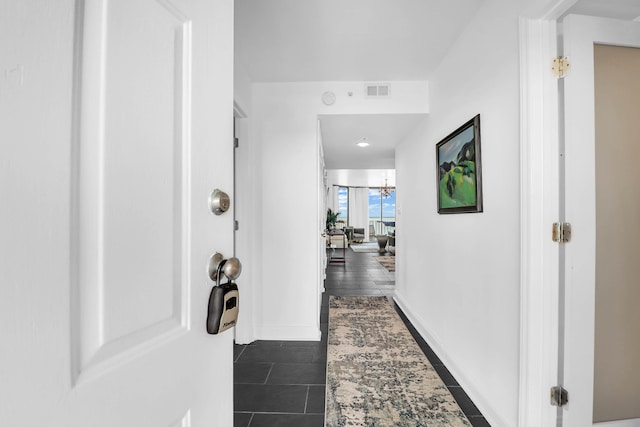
{"type": "Point", "coordinates": [116, 118]}
{"type": "Point", "coordinates": [132, 201]}
{"type": "Point", "coordinates": [580, 35]}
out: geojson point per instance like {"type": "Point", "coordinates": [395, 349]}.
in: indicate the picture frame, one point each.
{"type": "Point", "coordinates": [459, 171]}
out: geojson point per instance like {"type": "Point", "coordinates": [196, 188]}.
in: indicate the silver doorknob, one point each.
{"type": "Point", "coordinates": [229, 267]}
{"type": "Point", "coordinates": [214, 262]}
{"type": "Point", "coordinates": [232, 268]}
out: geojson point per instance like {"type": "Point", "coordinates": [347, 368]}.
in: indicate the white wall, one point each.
{"type": "Point", "coordinates": [241, 89]}
{"type": "Point", "coordinates": [361, 177]}
{"type": "Point", "coordinates": [283, 126]}
{"type": "Point", "coordinates": [458, 275]}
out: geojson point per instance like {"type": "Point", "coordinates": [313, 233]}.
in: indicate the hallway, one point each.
{"type": "Point", "coordinates": [282, 383]}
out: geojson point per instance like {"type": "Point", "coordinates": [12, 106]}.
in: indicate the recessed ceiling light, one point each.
{"type": "Point", "coordinates": [362, 143]}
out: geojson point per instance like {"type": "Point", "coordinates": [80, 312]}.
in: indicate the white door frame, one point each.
{"type": "Point", "coordinates": [539, 178]}
{"type": "Point", "coordinates": [245, 248]}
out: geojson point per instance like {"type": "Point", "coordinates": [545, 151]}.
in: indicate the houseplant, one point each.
{"type": "Point", "coordinates": [332, 217]}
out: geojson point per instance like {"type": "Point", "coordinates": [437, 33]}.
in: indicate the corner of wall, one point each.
{"type": "Point", "coordinates": [242, 89]}
{"type": "Point", "coordinates": [286, 332]}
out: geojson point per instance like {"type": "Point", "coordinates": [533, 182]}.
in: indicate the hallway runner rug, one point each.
{"type": "Point", "coordinates": [388, 262]}
{"type": "Point", "coordinates": [377, 375]}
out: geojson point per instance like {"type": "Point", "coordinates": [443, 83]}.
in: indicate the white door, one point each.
{"type": "Point", "coordinates": [602, 346]}
{"type": "Point", "coordinates": [115, 126]}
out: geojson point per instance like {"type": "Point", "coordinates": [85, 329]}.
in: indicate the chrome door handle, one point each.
{"type": "Point", "coordinates": [231, 267]}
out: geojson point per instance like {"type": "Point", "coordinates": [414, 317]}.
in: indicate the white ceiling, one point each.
{"type": "Point", "coordinates": [383, 132]}
{"type": "Point", "coordinates": [362, 40]}
{"type": "Point", "coordinates": [618, 9]}
{"type": "Point", "coordinates": [349, 40]}
{"type": "Point", "coordinates": [346, 40]}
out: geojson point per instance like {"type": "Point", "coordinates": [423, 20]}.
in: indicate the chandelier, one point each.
{"type": "Point", "coordinates": [385, 191]}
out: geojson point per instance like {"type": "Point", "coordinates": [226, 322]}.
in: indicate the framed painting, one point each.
{"type": "Point", "coordinates": [459, 170]}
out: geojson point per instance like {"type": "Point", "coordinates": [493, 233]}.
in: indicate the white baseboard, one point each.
{"type": "Point", "coordinates": [483, 405]}
{"type": "Point", "coordinates": [288, 333]}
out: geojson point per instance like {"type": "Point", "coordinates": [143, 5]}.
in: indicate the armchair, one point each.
{"type": "Point", "coordinates": [358, 235]}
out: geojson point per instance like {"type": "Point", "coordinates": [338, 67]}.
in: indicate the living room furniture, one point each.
{"type": "Point", "coordinates": [337, 239]}
{"type": "Point", "coordinates": [392, 242]}
{"type": "Point", "coordinates": [382, 243]}
{"type": "Point", "coordinates": [358, 235]}
{"type": "Point", "coordinates": [337, 236]}
{"type": "Point", "coordinates": [348, 231]}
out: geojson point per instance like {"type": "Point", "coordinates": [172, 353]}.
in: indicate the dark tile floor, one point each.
{"type": "Point", "coordinates": [282, 383]}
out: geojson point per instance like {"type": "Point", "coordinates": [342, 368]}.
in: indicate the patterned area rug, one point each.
{"type": "Point", "coordinates": [376, 373]}
{"type": "Point", "coordinates": [388, 262]}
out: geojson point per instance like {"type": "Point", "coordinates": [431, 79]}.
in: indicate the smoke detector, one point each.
{"type": "Point", "coordinates": [328, 98]}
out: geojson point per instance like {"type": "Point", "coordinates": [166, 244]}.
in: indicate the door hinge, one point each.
{"type": "Point", "coordinates": [560, 66]}
{"type": "Point", "coordinates": [236, 143]}
{"type": "Point", "coordinates": [236, 225]}
{"type": "Point", "coordinates": [559, 396]}
{"type": "Point", "coordinates": [561, 232]}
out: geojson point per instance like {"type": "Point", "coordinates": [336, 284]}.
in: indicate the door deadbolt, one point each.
{"type": "Point", "coordinates": [219, 202]}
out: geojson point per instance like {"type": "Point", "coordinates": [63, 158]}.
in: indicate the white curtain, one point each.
{"type": "Point", "coordinates": [332, 198]}
{"type": "Point", "coordinates": [359, 209]}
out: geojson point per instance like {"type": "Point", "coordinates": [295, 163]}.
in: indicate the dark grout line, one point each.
{"type": "Point", "coordinates": [306, 401]}
{"type": "Point", "coordinates": [269, 373]}
{"type": "Point", "coordinates": [240, 354]}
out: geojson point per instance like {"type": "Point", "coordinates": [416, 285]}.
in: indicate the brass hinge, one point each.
{"type": "Point", "coordinates": [561, 232]}
{"type": "Point", "coordinates": [560, 66]}
{"type": "Point", "coordinates": [559, 396]}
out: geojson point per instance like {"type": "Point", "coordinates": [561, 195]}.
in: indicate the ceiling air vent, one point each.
{"type": "Point", "coordinates": [377, 90]}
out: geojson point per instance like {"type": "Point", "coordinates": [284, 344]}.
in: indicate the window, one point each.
{"type": "Point", "coordinates": [382, 210]}
{"type": "Point", "coordinates": [343, 204]}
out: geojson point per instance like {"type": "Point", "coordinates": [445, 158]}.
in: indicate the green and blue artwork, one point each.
{"type": "Point", "coordinates": [459, 170]}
